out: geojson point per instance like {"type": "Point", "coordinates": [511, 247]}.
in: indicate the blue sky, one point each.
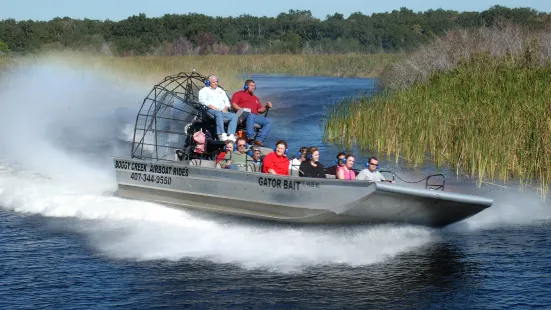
{"type": "Point", "coordinates": [121, 9]}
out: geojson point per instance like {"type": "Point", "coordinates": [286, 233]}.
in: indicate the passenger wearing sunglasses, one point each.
{"type": "Point", "coordinates": [238, 158]}
{"type": "Point", "coordinates": [370, 173]}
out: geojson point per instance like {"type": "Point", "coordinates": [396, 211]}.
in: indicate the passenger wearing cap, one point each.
{"type": "Point", "coordinates": [256, 156]}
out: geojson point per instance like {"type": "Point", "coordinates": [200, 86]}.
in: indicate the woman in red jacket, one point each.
{"type": "Point", "coordinates": [277, 161]}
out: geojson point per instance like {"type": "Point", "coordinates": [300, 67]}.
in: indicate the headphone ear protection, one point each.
{"type": "Point", "coordinates": [234, 147]}
{"type": "Point", "coordinates": [308, 156]}
{"type": "Point", "coordinates": [247, 146]}
{"type": "Point", "coordinates": [207, 81]}
{"type": "Point", "coordinates": [343, 161]}
{"type": "Point", "coordinates": [246, 86]}
{"type": "Point", "coordinates": [286, 150]}
{"type": "Point", "coordinates": [367, 165]}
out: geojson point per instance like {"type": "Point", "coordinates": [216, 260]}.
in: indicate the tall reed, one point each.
{"type": "Point", "coordinates": [231, 69]}
{"type": "Point", "coordinates": [489, 116]}
{"type": "Point", "coordinates": [444, 53]}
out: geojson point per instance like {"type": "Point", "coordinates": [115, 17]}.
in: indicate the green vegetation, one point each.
{"type": "Point", "coordinates": [232, 69]}
{"type": "Point", "coordinates": [488, 115]}
{"type": "Point", "coordinates": [4, 48]}
{"type": "Point", "coordinates": [294, 32]}
{"type": "Point", "coordinates": [349, 65]}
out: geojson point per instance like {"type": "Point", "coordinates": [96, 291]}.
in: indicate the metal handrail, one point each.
{"type": "Point", "coordinates": [432, 186]}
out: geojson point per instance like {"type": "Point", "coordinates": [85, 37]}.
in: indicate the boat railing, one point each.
{"type": "Point", "coordinates": [435, 181]}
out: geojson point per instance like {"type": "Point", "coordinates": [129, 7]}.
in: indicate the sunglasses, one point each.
{"type": "Point", "coordinates": [243, 145]}
{"type": "Point", "coordinates": [373, 164]}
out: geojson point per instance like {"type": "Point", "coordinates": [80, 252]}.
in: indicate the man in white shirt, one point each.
{"type": "Point", "coordinates": [371, 174]}
{"type": "Point", "coordinates": [218, 104]}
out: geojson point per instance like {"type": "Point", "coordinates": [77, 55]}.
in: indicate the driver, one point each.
{"type": "Point", "coordinates": [247, 99]}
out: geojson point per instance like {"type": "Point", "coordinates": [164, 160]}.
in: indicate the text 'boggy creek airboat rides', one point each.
{"type": "Point", "coordinates": [172, 164]}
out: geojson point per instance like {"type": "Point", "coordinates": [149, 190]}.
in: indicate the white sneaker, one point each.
{"type": "Point", "coordinates": [232, 138]}
{"type": "Point", "coordinates": [223, 137]}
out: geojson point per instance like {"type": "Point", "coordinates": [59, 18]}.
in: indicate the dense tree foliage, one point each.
{"type": "Point", "coordinates": [293, 32]}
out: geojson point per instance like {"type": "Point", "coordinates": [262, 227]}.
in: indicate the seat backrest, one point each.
{"type": "Point", "coordinates": [252, 167]}
{"type": "Point", "coordinates": [202, 163]}
{"type": "Point", "coordinates": [208, 163]}
{"type": "Point", "coordinates": [294, 172]}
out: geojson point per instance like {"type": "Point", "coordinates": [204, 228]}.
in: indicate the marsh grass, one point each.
{"type": "Point", "coordinates": [444, 53]}
{"type": "Point", "coordinates": [489, 117]}
{"type": "Point", "coordinates": [232, 70]}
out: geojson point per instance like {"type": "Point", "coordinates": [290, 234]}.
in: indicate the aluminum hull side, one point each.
{"type": "Point", "coordinates": [292, 199]}
{"type": "Point", "coordinates": [236, 207]}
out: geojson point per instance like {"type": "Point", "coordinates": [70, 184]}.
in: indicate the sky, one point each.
{"type": "Point", "coordinates": [121, 9]}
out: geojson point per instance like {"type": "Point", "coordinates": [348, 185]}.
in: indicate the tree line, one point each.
{"type": "Point", "coordinates": [296, 31]}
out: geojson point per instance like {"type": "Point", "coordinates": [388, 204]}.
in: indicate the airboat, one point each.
{"type": "Point", "coordinates": [167, 166]}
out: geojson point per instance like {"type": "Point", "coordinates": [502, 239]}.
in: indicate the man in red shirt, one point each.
{"type": "Point", "coordinates": [247, 99]}
{"type": "Point", "coordinates": [277, 161]}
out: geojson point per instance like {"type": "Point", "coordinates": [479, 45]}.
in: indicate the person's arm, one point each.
{"type": "Point", "coordinates": [226, 162]}
{"type": "Point", "coordinates": [385, 180]}
{"type": "Point", "coordinates": [321, 171]}
{"type": "Point", "coordinates": [204, 99]}
{"type": "Point", "coordinates": [235, 102]}
{"type": "Point", "coordinates": [340, 174]}
{"type": "Point", "coordinates": [226, 102]}
{"type": "Point", "coordinates": [262, 109]}
{"type": "Point", "coordinates": [269, 165]}
{"type": "Point", "coordinates": [220, 157]}
{"type": "Point", "coordinates": [302, 170]}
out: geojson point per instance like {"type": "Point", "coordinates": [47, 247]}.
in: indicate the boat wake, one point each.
{"type": "Point", "coordinates": [55, 161]}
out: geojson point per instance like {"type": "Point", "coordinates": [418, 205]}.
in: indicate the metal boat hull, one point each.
{"type": "Point", "coordinates": [290, 199]}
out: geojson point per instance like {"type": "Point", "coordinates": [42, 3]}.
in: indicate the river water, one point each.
{"type": "Point", "coordinates": [67, 242]}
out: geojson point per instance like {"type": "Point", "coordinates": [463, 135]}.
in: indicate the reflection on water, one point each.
{"type": "Point", "coordinates": [417, 279]}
